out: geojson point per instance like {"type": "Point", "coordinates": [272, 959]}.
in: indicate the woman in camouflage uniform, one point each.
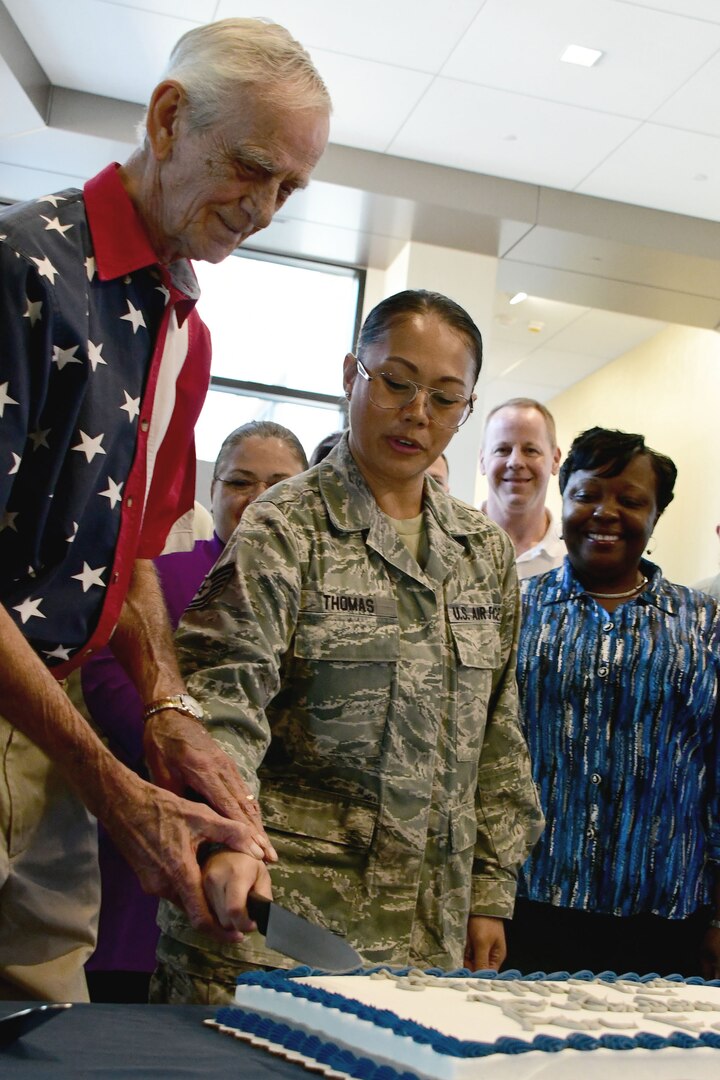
{"type": "Point", "coordinates": [354, 650]}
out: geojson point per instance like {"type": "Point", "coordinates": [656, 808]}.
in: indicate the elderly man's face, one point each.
{"type": "Point", "coordinates": [220, 185]}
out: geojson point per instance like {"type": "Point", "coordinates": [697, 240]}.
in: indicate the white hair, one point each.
{"type": "Point", "coordinates": [214, 61]}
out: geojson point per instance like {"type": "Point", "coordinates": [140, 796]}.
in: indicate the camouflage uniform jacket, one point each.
{"type": "Point", "coordinates": [375, 703]}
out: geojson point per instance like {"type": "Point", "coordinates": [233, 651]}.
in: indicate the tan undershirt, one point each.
{"type": "Point", "coordinates": [413, 534]}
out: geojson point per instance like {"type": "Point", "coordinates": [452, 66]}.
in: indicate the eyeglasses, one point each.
{"type": "Point", "coordinates": [388, 391]}
{"type": "Point", "coordinates": [242, 484]}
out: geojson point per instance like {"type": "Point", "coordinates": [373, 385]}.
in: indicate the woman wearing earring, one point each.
{"type": "Point", "coordinates": [618, 673]}
{"type": "Point", "coordinates": [354, 649]}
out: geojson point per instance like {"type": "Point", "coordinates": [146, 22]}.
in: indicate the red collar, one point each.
{"type": "Point", "coordinates": [120, 242]}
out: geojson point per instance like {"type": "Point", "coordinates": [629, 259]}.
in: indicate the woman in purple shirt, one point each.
{"type": "Point", "coordinates": [251, 459]}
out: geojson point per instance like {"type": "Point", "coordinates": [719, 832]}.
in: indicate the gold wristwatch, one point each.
{"type": "Point", "coordinates": [183, 703]}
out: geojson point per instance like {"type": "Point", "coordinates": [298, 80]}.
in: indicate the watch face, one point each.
{"type": "Point", "coordinates": [188, 702]}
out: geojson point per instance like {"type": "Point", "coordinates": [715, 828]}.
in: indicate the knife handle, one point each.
{"type": "Point", "coordinates": [258, 908]}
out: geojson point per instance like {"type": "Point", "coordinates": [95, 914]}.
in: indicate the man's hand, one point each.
{"type": "Point", "coordinates": [485, 946]}
{"type": "Point", "coordinates": [227, 879]}
{"type": "Point", "coordinates": [159, 834]}
{"type": "Point", "coordinates": [181, 754]}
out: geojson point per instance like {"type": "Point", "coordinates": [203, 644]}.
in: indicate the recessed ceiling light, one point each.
{"type": "Point", "coordinates": [536, 327]}
{"type": "Point", "coordinates": [518, 298]}
{"type": "Point", "coordinates": [578, 54]}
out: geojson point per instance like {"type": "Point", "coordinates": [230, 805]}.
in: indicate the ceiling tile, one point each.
{"type": "Point", "coordinates": [662, 168]}
{"type": "Point", "coordinates": [99, 48]}
{"type": "Point", "coordinates": [694, 105]}
{"type": "Point", "coordinates": [605, 334]}
{"type": "Point", "coordinates": [490, 131]}
{"type": "Point", "coordinates": [63, 152]}
{"type": "Point", "coordinates": [648, 54]}
{"type": "Point", "coordinates": [370, 100]}
{"type": "Point", "coordinates": [552, 368]}
{"type": "Point", "coordinates": [417, 34]}
{"type": "Point", "coordinates": [695, 9]}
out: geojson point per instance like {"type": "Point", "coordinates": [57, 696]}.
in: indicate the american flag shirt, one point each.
{"type": "Point", "coordinates": [104, 364]}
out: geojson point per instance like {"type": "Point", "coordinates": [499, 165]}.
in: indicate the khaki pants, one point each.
{"type": "Point", "coordinates": [49, 877]}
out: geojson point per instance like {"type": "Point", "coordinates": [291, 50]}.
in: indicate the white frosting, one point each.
{"type": "Point", "coordinates": [482, 1010]}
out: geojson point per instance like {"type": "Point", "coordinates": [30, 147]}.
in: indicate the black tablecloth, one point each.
{"type": "Point", "coordinates": [145, 1042]}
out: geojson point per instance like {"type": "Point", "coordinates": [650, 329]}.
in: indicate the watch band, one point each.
{"type": "Point", "coordinates": [183, 703]}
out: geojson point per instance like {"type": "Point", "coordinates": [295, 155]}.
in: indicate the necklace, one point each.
{"type": "Point", "coordinates": [619, 595]}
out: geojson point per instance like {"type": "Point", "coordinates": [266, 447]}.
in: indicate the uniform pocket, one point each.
{"type": "Point", "coordinates": [323, 842]}
{"type": "Point", "coordinates": [478, 653]}
{"type": "Point", "coordinates": [344, 681]}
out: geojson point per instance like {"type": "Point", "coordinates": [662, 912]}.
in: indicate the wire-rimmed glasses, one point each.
{"type": "Point", "coordinates": [390, 391]}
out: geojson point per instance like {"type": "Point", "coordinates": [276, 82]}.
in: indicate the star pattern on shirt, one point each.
{"type": "Point", "coordinates": [45, 268]}
{"type": "Point", "coordinates": [94, 354]}
{"type": "Point", "coordinates": [61, 357]}
{"type": "Point", "coordinates": [58, 653]}
{"type": "Point", "coordinates": [53, 225]}
{"type": "Point", "coordinates": [131, 406]}
{"type": "Point", "coordinates": [29, 609]}
{"type": "Point", "coordinates": [70, 539]}
{"type": "Point", "coordinates": [113, 492]}
{"type": "Point", "coordinates": [34, 310]}
{"type": "Point", "coordinates": [39, 438]}
{"type": "Point", "coordinates": [89, 577]}
{"type": "Point", "coordinates": [54, 199]}
{"type": "Point", "coordinates": [15, 465]}
{"type": "Point", "coordinates": [165, 292]}
{"type": "Point", "coordinates": [90, 267]}
{"type": "Point", "coordinates": [8, 520]}
{"type": "Point", "coordinates": [5, 398]}
{"type": "Point", "coordinates": [89, 445]}
{"type": "Point", "coordinates": [134, 316]}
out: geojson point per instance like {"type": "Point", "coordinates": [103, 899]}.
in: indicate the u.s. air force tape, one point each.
{"type": "Point", "coordinates": [459, 611]}
{"type": "Point", "coordinates": [212, 586]}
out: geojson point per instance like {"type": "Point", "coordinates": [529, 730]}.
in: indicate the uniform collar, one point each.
{"type": "Point", "coordinates": [352, 506]}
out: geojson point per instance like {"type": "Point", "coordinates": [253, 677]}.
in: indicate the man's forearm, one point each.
{"type": "Point", "coordinates": [36, 704]}
{"type": "Point", "coordinates": [143, 639]}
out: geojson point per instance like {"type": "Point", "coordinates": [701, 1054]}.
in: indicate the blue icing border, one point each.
{"type": "Point", "coordinates": [283, 982]}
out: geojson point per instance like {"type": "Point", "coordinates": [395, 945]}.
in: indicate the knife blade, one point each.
{"type": "Point", "coordinates": [299, 938]}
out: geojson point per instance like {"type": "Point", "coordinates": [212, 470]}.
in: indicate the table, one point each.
{"type": "Point", "coordinates": [142, 1042]}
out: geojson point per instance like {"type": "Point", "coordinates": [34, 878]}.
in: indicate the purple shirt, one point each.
{"type": "Point", "coordinates": [127, 933]}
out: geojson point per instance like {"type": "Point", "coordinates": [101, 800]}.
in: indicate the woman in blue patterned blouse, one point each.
{"type": "Point", "coordinates": [619, 672]}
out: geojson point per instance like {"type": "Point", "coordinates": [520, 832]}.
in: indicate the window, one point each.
{"type": "Point", "coordinates": [280, 329]}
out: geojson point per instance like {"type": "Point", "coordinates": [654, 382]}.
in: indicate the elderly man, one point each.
{"type": "Point", "coordinates": [104, 364]}
{"type": "Point", "coordinates": [519, 455]}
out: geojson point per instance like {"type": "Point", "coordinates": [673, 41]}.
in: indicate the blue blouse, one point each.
{"type": "Point", "coordinates": [622, 717]}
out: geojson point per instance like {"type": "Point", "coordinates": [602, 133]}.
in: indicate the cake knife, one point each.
{"type": "Point", "coordinates": [294, 936]}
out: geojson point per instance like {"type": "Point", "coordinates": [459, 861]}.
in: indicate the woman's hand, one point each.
{"type": "Point", "coordinates": [710, 954]}
{"type": "Point", "coordinates": [485, 944]}
{"type": "Point", "coordinates": [228, 877]}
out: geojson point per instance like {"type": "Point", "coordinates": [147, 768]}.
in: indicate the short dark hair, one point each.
{"type": "Point", "coordinates": [608, 451]}
{"type": "Point", "coordinates": [264, 429]}
{"type": "Point", "coordinates": [528, 403]}
{"type": "Point", "coordinates": [420, 302]}
{"type": "Point", "coordinates": [324, 447]}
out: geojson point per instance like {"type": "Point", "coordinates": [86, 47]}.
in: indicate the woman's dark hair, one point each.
{"type": "Point", "coordinates": [324, 447]}
{"type": "Point", "coordinates": [608, 452]}
{"type": "Point", "coordinates": [264, 429]}
{"type": "Point", "coordinates": [420, 302]}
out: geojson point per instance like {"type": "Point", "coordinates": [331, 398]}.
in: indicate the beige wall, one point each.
{"type": "Point", "coordinates": [668, 389]}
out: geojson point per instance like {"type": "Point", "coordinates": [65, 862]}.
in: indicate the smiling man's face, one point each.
{"type": "Point", "coordinates": [518, 459]}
